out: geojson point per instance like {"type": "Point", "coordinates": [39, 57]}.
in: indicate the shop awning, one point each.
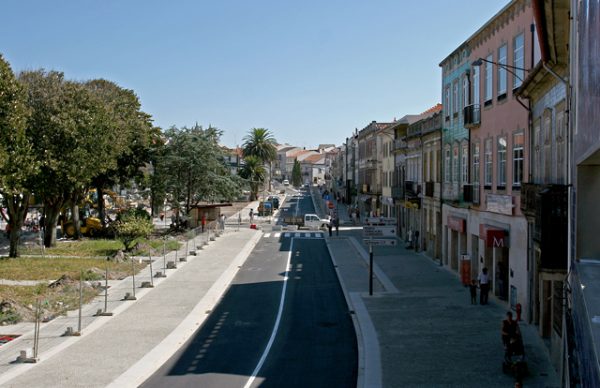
{"type": "Point", "coordinates": [493, 236]}
{"type": "Point", "coordinates": [456, 223]}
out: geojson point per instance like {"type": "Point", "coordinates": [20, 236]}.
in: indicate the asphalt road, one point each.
{"type": "Point", "coordinates": [270, 332]}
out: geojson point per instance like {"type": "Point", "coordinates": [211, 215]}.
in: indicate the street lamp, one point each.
{"type": "Point", "coordinates": [510, 68]}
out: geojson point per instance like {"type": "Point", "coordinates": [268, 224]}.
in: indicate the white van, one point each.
{"type": "Point", "coordinates": [286, 182]}
{"type": "Point", "coordinates": [312, 221]}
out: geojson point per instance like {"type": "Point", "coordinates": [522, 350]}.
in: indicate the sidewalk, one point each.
{"type": "Point", "coordinates": [419, 328]}
{"type": "Point", "coordinates": [126, 348]}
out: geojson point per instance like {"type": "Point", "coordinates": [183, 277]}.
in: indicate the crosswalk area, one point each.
{"type": "Point", "coordinates": [294, 234]}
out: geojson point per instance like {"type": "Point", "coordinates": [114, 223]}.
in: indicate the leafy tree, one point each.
{"type": "Point", "coordinates": [131, 226]}
{"type": "Point", "coordinates": [73, 137]}
{"type": "Point", "coordinates": [192, 168]}
{"type": "Point", "coordinates": [259, 142]}
{"type": "Point", "coordinates": [296, 174]}
{"type": "Point", "coordinates": [254, 172]}
{"type": "Point", "coordinates": [140, 137]}
{"type": "Point", "coordinates": [17, 164]}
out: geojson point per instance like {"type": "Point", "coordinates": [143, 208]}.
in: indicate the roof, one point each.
{"type": "Point", "coordinates": [314, 159]}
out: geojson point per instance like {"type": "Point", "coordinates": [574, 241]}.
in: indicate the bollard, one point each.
{"type": "Point", "coordinates": [147, 285]}
{"type": "Point", "coordinates": [159, 274]}
{"type": "Point", "coordinates": [171, 265]}
{"type": "Point", "coordinates": [128, 296]}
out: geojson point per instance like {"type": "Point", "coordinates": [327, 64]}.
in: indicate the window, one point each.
{"type": "Point", "coordinates": [465, 91]}
{"type": "Point", "coordinates": [518, 60]}
{"type": "Point", "coordinates": [502, 72]}
{"type": "Point", "coordinates": [547, 131]}
{"type": "Point", "coordinates": [518, 141]}
{"type": "Point", "coordinates": [488, 163]}
{"type": "Point", "coordinates": [475, 177]}
{"type": "Point", "coordinates": [501, 150]}
{"type": "Point", "coordinates": [488, 80]}
{"type": "Point", "coordinates": [560, 143]}
{"type": "Point", "coordinates": [447, 102]}
{"type": "Point", "coordinates": [475, 84]}
{"type": "Point", "coordinates": [447, 164]}
{"type": "Point", "coordinates": [455, 98]}
{"type": "Point", "coordinates": [455, 164]}
{"type": "Point", "coordinates": [537, 150]}
{"type": "Point", "coordinates": [465, 164]}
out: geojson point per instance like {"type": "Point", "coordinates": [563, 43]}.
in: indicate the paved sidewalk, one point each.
{"type": "Point", "coordinates": [141, 334]}
{"type": "Point", "coordinates": [426, 332]}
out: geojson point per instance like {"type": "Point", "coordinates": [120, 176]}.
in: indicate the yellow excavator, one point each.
{"type": "Point", "coordinates": [89, 224]}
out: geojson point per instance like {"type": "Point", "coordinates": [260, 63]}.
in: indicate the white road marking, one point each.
{"type": "Point", "coordinates": [277, 235]}
{"type": "Point", "coordinates": [277, 321]}
{"type": "Point", "coordinates": [287, 235]}
{"type": "Point", "coordinates": [267, 235]}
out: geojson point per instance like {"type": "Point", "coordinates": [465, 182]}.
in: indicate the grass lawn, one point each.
{"type": "Point", "coordinates": [98, 248]}
{"type": "Point", "coordinates": [36, 268]}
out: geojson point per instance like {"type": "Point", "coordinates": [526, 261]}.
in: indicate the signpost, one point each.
{"type": "Point", "coordinates": [379, 227]}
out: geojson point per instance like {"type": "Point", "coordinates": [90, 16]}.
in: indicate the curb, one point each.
{"type": "Point", "coordinates": [369, 356]}
{"type": "Point", "coordinates": [147, 365]}
{"type": "Point", "coordinates": [385, 281]}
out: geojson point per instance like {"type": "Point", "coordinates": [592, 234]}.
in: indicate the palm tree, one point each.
{"type": "Point", "coordinates": [253, 171]}
{"type": "Point", "coordinates": [260, 143]}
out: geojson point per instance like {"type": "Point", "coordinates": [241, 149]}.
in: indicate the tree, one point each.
{"type": "Point", "coordinates": [254, 172]}
{"type": "Point", "coordinates": [17, 164]}
{"type": "Point", "coordinates": [296, 174]}
{"type": "Point", "coordinates": [140, 137]}
{"type": "Point", "coordinates": [192, 168]}
{"type": "Point", "coordinates": [74, 138]}
{"type": "Point", "coordinates": [131, 226]}
{"type": "Point", "coordinates": [259, 142]}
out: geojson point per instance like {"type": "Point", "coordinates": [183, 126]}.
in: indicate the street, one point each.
{"type": "Point", "coordinates": [283, 322]}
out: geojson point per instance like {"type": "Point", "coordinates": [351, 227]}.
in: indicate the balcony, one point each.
{"type": "Point", "coordinates": [397, 192]}
{"type": "Point", "coordinates": [468, 193]}
{"type": "Point", "coordinates": [529, 194]}
{"type": "Point", "coordinates": [472, 116]}
{"type": "Point", "coordinates": [400, 144]}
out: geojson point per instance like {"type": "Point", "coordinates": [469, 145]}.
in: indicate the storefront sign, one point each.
{"type": "Point", "coordinates": [494, 237]}
{"type": "Point", "coordinates": [456, 223]}
{"type": "Point", "coordinates": [502, 204]}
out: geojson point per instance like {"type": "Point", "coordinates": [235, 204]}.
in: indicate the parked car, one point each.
{"type": "Point", "coordinates": [286, 182]}
{"type": "Point", "coordinates": [275, 200]}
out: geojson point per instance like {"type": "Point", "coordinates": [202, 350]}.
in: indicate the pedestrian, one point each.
{"type": "Point", "coordinates": [511, 336]}
{"type": "Point", "coordinates": [484, 286]}
{"type": "Point", "coordinates": [417, 241]}
{"type": "Point", "coordinates": [473, 290]}
{"type": "Point", "coordinates": [251, 214]}
{"type": "Point", "coordinates": [330, 226]}
{"type": "Point", "coordinates": [353, 213]}
{"type": "Point", "coordinates": [336, 223]}
{"type": "Point", "coordinates": [222, 221]}
{"type": "Point", "coordinates": [203, 222]}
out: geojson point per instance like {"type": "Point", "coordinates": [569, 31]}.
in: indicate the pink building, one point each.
{"type": "Point", "coordinates": [501, 53]}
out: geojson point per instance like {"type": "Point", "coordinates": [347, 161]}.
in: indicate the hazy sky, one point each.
{"type": "Point", "coordinates": [310, 71]}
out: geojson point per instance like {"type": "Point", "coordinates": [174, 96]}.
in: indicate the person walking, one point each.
{"type": "Point", "coordinates": [336, 223]}
{"type": "Point", "coordinates": [473, 291]}
{"type": "Point", "coordinates": [330, 226]}
{"type": "Point", "coordinates": [484, 286]}
{"type": "Point", "coordinates": [251, 215]}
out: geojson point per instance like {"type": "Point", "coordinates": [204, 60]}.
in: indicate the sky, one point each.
{"type": "Point", "coordinates": [309, 71]}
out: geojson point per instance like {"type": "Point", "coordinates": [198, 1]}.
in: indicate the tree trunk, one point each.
{"type": "Point", "coordinates": [52, 210]}
{"type": "Point", "coordinates": [76, 223]}
{"type": "Point", "coordinates": [17, 211]}
{"type": "Point", "coordinates": [100, 204]}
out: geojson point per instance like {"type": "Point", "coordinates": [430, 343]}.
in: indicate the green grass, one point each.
{"type": "Point", "coordinates": [98, 248]}
{"type": "Point", "coordinates": [30, 268]}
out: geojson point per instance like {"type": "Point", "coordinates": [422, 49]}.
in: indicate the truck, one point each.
{"type": "Point", "coordinates": [311, 221]}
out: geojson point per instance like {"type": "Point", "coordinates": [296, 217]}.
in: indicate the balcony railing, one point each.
{"type": "Point", "coordinates": [400, 144]}
{"type": "Point", "coordinates": [472, 116]}
{"type": "Point", "coordinates": [398, 192]}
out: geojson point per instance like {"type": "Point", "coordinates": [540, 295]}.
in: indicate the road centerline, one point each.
{"type": "Point", "coordinates": [277, 321]}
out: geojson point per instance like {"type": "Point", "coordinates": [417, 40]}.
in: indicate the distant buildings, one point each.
{"type": "Point", "coordinates": [504, 175]}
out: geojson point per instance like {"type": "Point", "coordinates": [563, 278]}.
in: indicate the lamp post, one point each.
{"type": "Point", "coordinates": [510, 68]}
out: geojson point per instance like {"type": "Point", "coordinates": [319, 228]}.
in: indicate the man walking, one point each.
{"type": "Point", "coordinates": [484, 286]}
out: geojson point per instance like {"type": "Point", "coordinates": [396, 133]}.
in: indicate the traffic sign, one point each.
{"type": "Point", "coordinates": [381, 221]}
{"type": "Point", "coordinates": [379, 231]}
{"type": "Point", "coordinates": [381, 241]}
